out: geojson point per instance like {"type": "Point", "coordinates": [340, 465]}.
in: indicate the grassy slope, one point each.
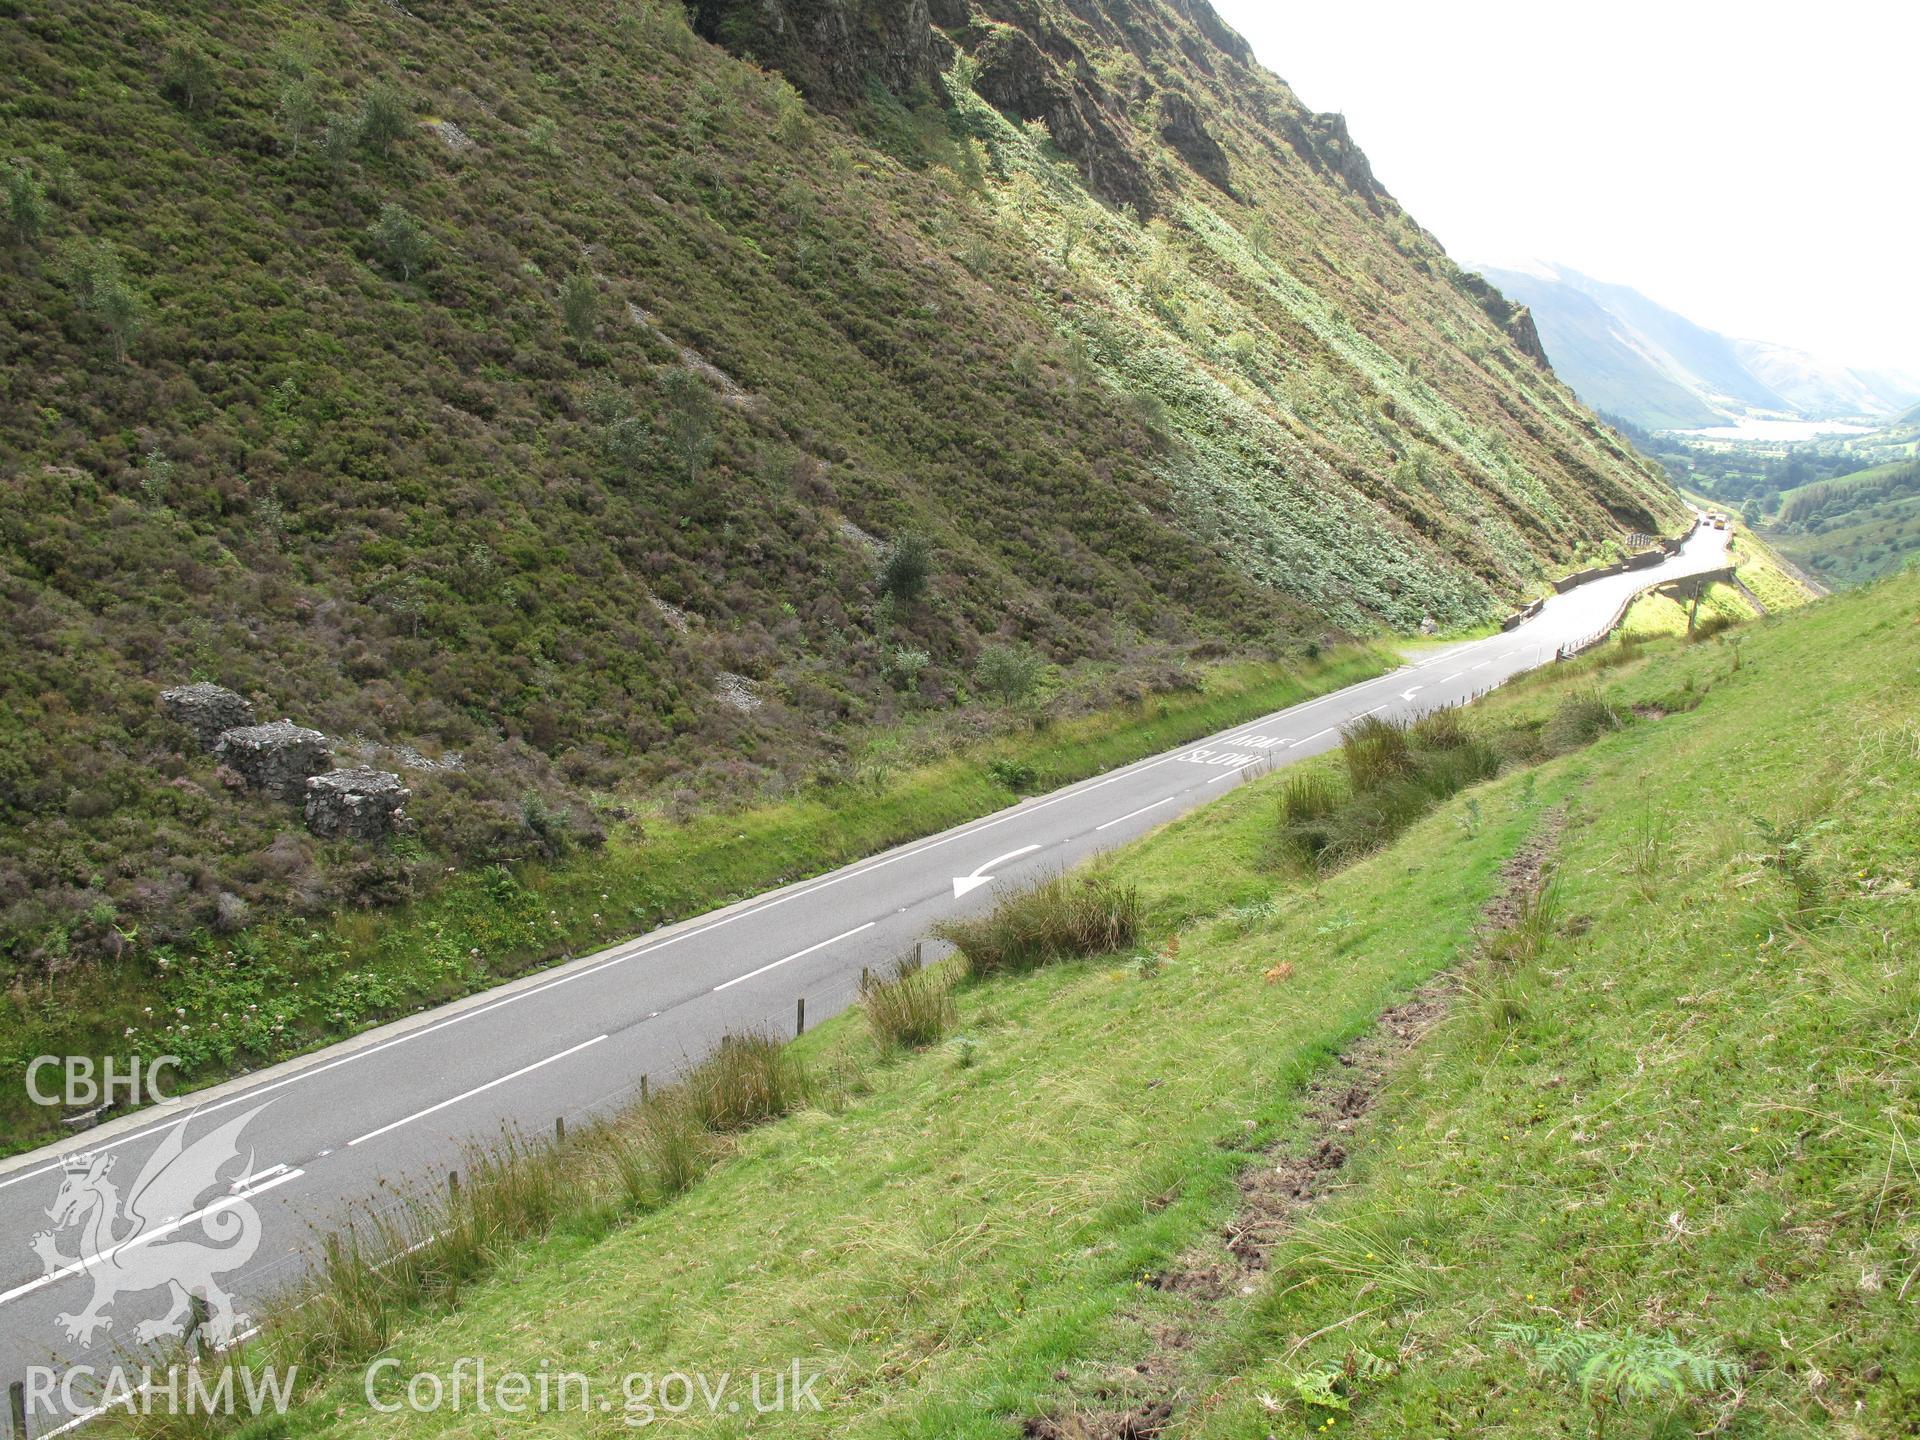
{"type": "Point", "coordinates": [1858, 527]}
{"type": "Point", "coordinates": [1698, 1122]}
{"type": "Point", "coordinates": [1758, 567]}
{"type": "Point", "coordinates": [394, 507]}
{"type": "Point", "coordinates": [1657, 615]}
{"type": "Point", "coordinates": [1876, 541]}
{"type": "Point", "coordinates": [1689, 1113]}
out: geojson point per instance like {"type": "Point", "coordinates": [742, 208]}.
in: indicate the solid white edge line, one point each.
{"type": "Point", "coordinates": [145, 1237]}
{"type": "Point", "coordinates": [797, 955]}
{"type": "Point", "coordinates": [478, 1090]}
{"type": "Point", "coordinates": [1167, 800]}
{"type": "Point", "coordinates": [94, 1414]}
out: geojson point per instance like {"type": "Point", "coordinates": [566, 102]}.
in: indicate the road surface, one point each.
{"type": "Point", "coordinates": [400, 1103]}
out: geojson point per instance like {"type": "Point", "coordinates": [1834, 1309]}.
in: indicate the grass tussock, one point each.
{"type": "Point", "coordinates": [1526, 936]}
{"type": "Point", "coordinates": [1708, 626]}
{"type": "Point", "coordinates": [909, 1010]}
{"type": "Point", "coordinates": [749, 1080]}
{"type": "Point", "coordinates": [1395, 773]}
{"type": "Point", "coordinates": [1582, 718]}
{"type": "Point", "coordinates": [663, 1154]}
{"type": "Point", "coordinates": [411, 1251]}
{"type": "Point", "coordinates": [1064, 918]}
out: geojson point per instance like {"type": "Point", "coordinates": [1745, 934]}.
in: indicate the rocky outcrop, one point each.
{"type": "Point", "coordinates": [1182, 128]}
{"type": "Point", "coordinates": [1337, 151]}
{"type": "Point", "coordinates": [277, 758]}
{"type": "Point", "coordinates": [832, 49]}
{"type": "Point", "coordinates": [1208, 22]}
{"type": "Point", "coordinates": [358, 804]}
{"type": "Point", "coordinates": [736, 692]}
{"type": "Point", "coordinates": [207, 710]}
{"type": "Point", "coordinates": [835, 50]}
{"type": "Point", "coordinates": [1021, 80]}
{"type": "Point", "coordinates": [1511, 316]}
{"type": "Point", "coordinates": [1526, 336]}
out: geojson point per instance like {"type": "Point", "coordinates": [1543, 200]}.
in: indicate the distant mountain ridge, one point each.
{"type": "Point", "coordinates": [1629, 356]}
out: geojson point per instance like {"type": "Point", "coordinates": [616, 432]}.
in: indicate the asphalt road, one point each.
{"type": "Point", "coordinates": [400, 1103]}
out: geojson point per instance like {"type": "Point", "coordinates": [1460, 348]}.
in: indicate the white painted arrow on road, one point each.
{"type": "Point", "coordinates": [1413, 692]}
{"type": "Point", "coordinates": [966, 884]}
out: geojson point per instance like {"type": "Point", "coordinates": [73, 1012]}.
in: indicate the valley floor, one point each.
{"type": "Point", "coordinates": [1614, 1056]}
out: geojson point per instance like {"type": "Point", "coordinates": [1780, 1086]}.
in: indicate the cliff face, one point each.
{"type": "Point", "coordinates": [1031, 61]}
{"type": "Point", "coordinates": [832, 49]}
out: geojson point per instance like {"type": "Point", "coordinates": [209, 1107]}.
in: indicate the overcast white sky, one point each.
{"type": "Point", "coordinates": [1754, 166]}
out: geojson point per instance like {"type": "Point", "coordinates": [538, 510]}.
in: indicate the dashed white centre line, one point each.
{"type": "Point", "coordinates": [477, 1090]}
{"type": "Point", "coordinates": [797, 955]}
{"type": "Point", "coordinates": [248, 1181]}
{"type": "Point", "coordinates": [1132, 813]}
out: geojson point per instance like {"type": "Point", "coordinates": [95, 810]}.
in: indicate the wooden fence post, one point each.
{"type": "Point", "coordinates": [198, 1314]}
{"type": "Point", "coordinates": [800, 1017]}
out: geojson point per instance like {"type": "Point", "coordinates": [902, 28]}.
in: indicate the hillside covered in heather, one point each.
{"type": "Point", "coordinates": [647, 407]}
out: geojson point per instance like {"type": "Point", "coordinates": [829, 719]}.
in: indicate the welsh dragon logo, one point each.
{"type": "Point", "coordinates": [125, 1245]}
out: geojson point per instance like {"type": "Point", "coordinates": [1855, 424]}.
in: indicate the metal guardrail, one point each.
{"type": "Point", "coordinates": [1599, 637]}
